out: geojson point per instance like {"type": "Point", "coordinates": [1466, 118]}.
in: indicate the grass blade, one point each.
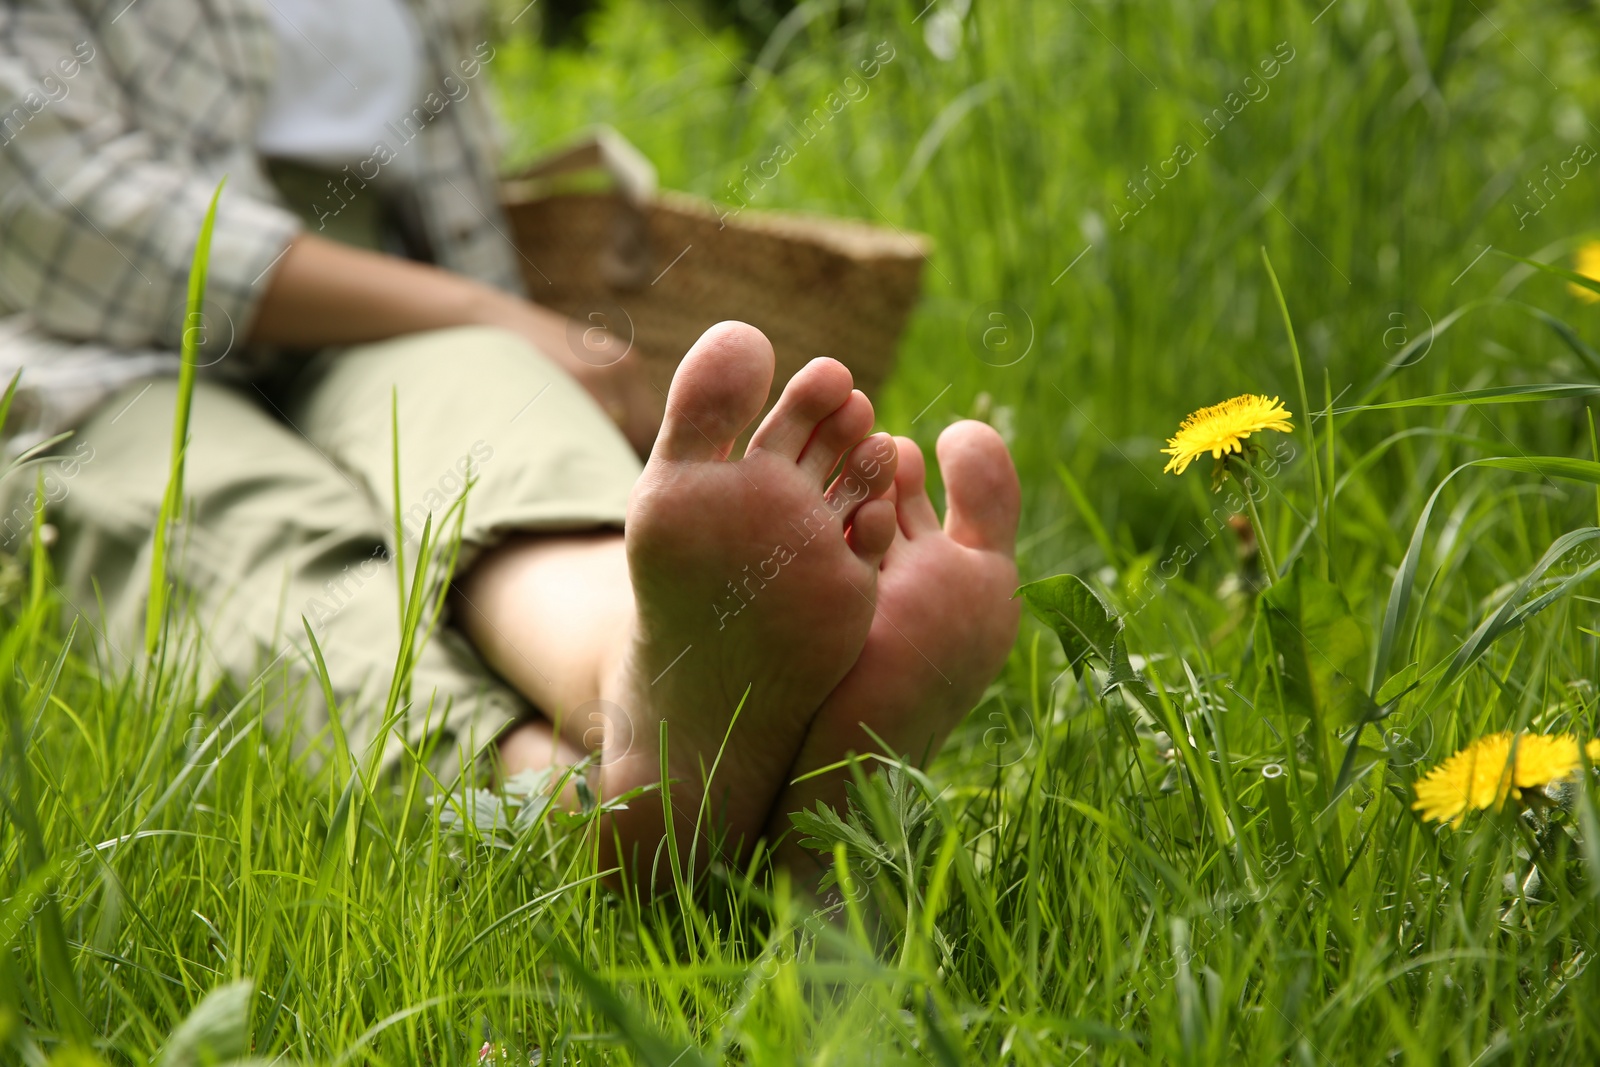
{"type": "Point", "coordinates": [172, 501]}
{"type": "Point", "coordinates": [1500, 394]}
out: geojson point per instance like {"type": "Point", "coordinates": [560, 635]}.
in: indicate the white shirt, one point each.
{"type": "Point", "coordinates": [346, 69]}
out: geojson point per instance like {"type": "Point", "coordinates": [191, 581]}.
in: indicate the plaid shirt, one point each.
{"type": "Point", "coordinates": [117, 120]}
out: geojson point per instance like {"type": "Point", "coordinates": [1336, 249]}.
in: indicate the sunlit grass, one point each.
{"type": "Point", "coordinates": [1195, 842]}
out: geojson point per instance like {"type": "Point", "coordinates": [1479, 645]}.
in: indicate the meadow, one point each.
{"type": "Point", "coordinates": [1180, 827]}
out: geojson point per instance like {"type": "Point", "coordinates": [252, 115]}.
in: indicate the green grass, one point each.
{"type": "Point", "coordinates": [1182, 851]}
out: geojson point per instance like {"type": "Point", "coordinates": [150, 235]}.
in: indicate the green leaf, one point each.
{"type": "Point", "coordinates": [940, 1039]}
{"type": "Point", "coordinates": [1123, 676]}
{"type": "Point", "coordinates": [1403, 679]}
{"type": "Point", "coordinates": [1320, 649]}
{"type": "Point", "coordinates": [5, 401]}
{"type": "Point", "coordinates": [172, 501]}
{"type": "Point", "coordinates": [53, 949]}
{"type": "Point", "coordinates": [1581, 280]}
{"type": "Point", "coordinates": [336, 831]}
{"type": "Point", "coordinates": [217, 1031]}
{"type": "Point", "coordinates": [1080, 619]}
{"type": "Point", "coordinates": [1517, 608]}
{"type": "Point", "coordinates": [643, 1038]}
{"type": "Point", "coordinates": [1394, 615]}
{"type": "Point", "coordinates": [1567, 334]}
{"type": "Point", "coordinates": [1574, 470]}
{"type": "Point", "coordinates": [823, 828]}
{"type": "Point", "coordinates": [1500, 394]}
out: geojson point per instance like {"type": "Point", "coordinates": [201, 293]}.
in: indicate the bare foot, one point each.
{"type": "Point", "coordinates": [747, 574]}
{"type": "Point", "coordinates": [945, 623]}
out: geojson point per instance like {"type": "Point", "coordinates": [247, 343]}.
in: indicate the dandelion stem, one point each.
{"type": "Point", "coordinates": [1262, 543]}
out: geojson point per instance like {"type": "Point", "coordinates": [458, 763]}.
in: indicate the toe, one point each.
{"type": "Point", "coordinates": [872, 530]}
{"type": "Point", "coordinates": [820, 389]}
{"type": "Point", "coordinates": [835, 434]}
{"type": "Point", "coordinates": [717, 390]}
{"type": "Point", "coordinates": [868, 474]}
{"type": "Point", "coordinates": [981, 489]}
{"type": "Point", "coordinates": [915, 510]}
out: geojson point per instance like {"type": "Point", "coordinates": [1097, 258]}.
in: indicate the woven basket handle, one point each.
{"type": "Point", "coordinates": [627, 263]}
{"type": "Point", "coordinates": [603, 148]}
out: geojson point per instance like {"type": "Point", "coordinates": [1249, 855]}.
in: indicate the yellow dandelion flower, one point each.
{"type": "Point", "coordinates": [1587, 264]}
{"type": "Point", "coordinates": [1221, 429]}
{"type": "Point", "coordinates": [1482, 776]}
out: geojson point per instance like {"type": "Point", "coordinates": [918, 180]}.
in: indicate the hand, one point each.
{"type": "Point", "coordinates": [323, 293]}
{"type": "Point", "coordinates": [601, 362]}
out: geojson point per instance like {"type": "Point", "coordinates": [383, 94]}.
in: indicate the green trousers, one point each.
{"type": "Point", "coordinates": [289, 506]}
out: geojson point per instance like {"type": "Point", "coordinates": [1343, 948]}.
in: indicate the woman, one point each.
{"type": "Point", "coordinates": [360, 261]}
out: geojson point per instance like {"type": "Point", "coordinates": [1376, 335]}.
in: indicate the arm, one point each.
{"type": "Point", "coordinates": [96, 233]}
{"type": "Point", "coordinates": [324, 293]}
{"type": "Point", "coordinates": [96, 228]}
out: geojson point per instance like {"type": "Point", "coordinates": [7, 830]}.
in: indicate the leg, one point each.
{"type": "Point", "coordinates": [550, 473]}
{"type": "Point", "coordinates": [734, 577]}
{"type": "Point", "coordinates": [274, 533]}
{"type": "Point", "coordinates": [945, 624]}
{"type": "Point", "coordinates": [545, 612]}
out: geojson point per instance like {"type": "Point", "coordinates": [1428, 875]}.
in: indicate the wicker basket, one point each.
{"type": "Point", "coordinates": [658, 268]}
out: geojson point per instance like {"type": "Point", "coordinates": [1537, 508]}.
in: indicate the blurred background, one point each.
{"type": "Point", "coordinates": [1102, 177]}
